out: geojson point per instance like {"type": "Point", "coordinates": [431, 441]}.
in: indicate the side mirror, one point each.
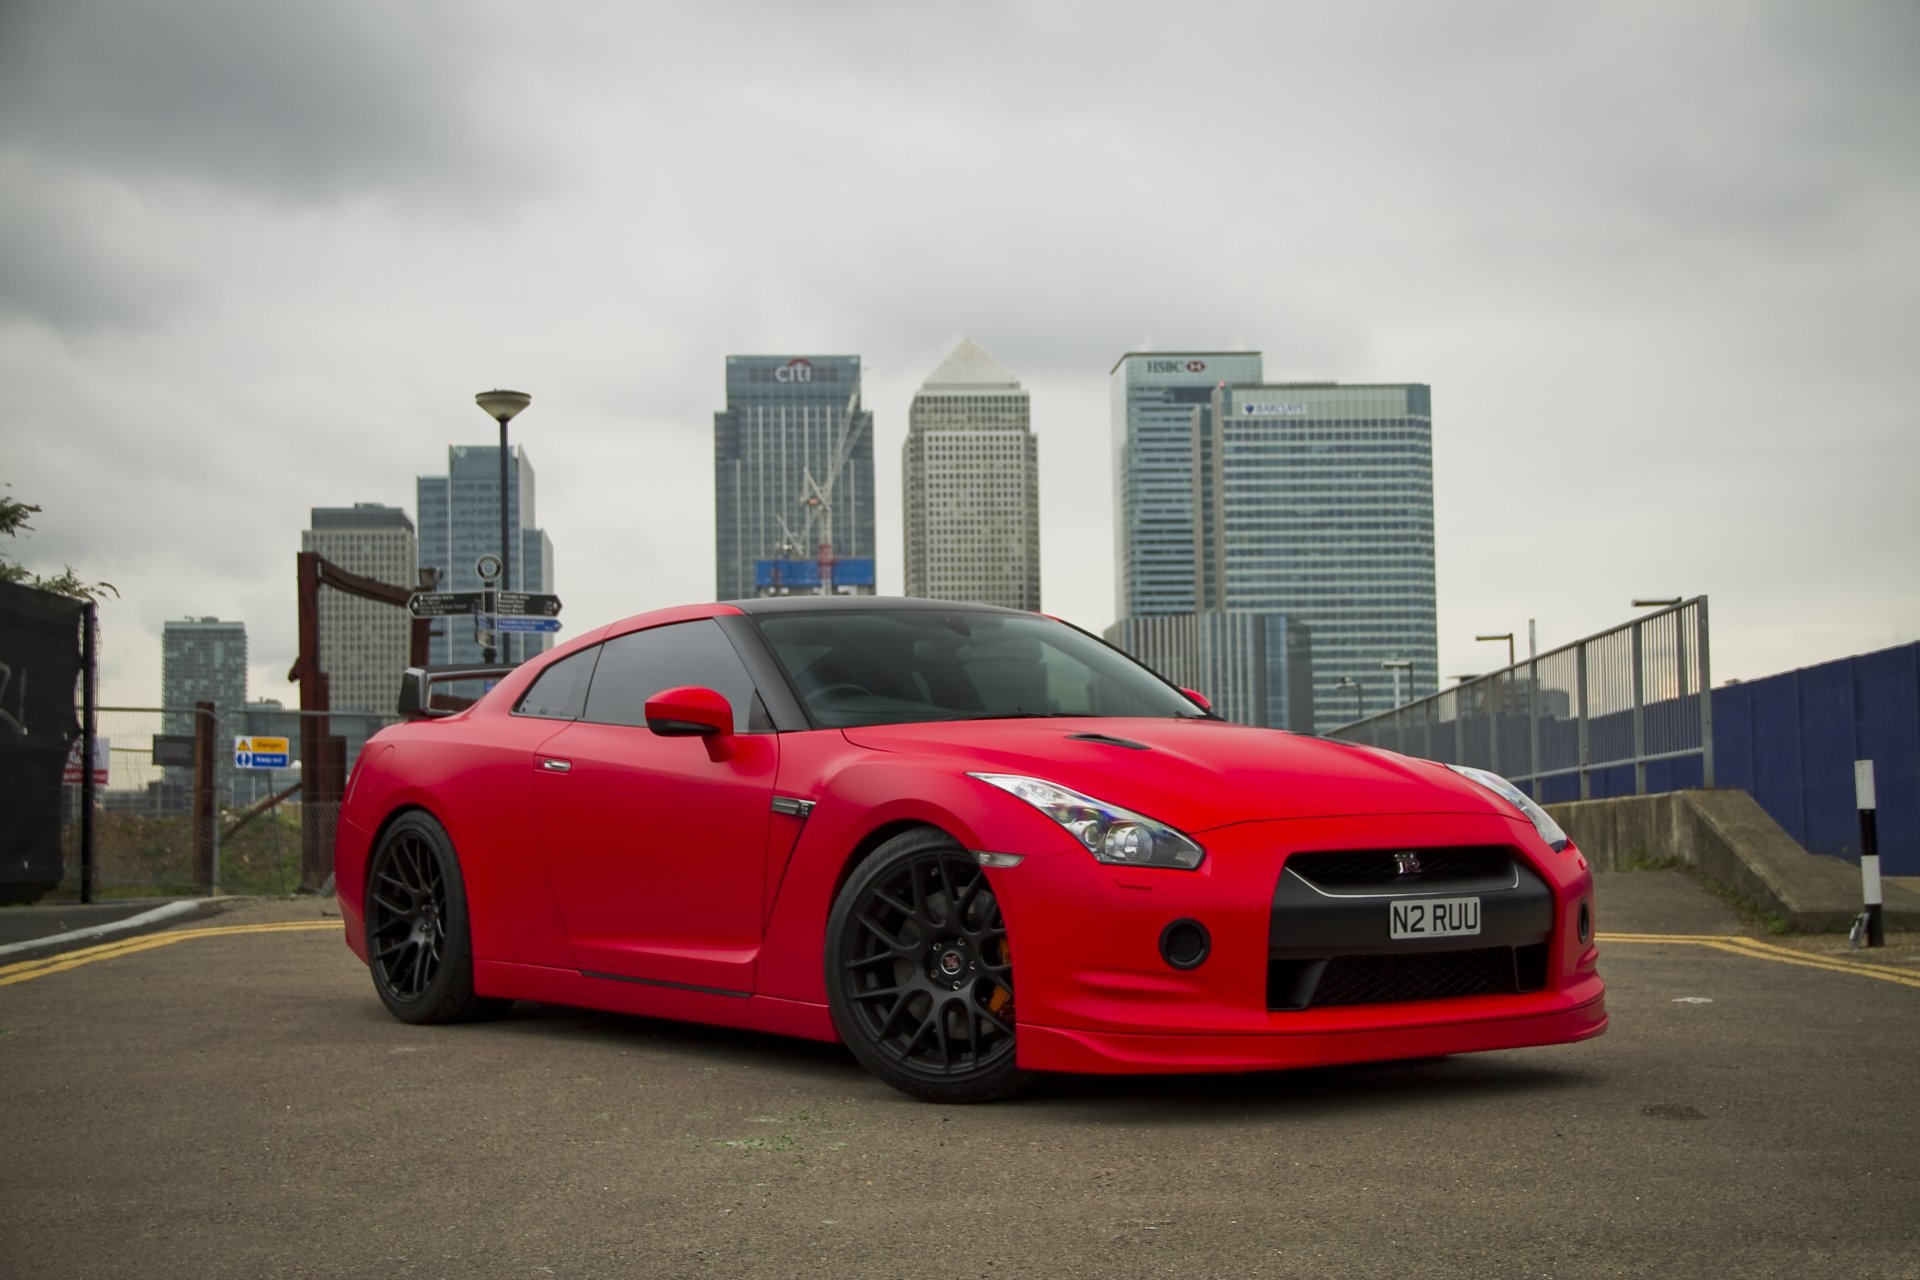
{"type": "Point", "coordinates": [693, 712]}
{"type": "Point", "coordinates": [1198, 699]}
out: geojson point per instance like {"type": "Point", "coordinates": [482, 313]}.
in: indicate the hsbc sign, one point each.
{"type": "Point", "coordinates": [1176, 366]}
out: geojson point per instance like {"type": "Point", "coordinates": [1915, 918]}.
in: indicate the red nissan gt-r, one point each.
{"type": "Point", "coordinates": [970, 843]}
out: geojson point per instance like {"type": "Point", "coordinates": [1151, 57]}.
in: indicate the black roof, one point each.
{"type": "Point", "coordinates": [859, 604]}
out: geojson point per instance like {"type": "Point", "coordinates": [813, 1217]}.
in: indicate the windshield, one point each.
{"type": "Point", "coordinates": [906, 665]}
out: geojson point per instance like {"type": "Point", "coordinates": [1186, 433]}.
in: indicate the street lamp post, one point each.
{"type": "Point", "coordinates": [501, 406]}
{"type": "Point", "coordinates": [1359, 709]}
{"type": "Point", "coordinates": [1504, 635]}
{"type": "Point", "coordinates": [1397, 665]}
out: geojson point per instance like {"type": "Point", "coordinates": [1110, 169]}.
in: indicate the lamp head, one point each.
{"type": "Point", "coordinates": [501, 406]}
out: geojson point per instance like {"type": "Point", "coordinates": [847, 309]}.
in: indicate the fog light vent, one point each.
{"type": "Point", "coordinates": [1185, 944]}
{"type": "Point", "coordinates": [1586, 922]}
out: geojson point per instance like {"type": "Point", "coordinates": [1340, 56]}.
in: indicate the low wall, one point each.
{"type": "Point", "coordinates": [1733, 842]}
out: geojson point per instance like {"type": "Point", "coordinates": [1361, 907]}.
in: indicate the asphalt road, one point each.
{"type": "Point", "coordinates": [239, 1104]}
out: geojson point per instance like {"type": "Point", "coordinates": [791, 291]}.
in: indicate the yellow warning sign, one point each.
{"type": "Point", "coordinates": [260, 753]}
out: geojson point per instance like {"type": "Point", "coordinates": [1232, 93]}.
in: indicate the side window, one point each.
{"type": "Point", "coordinates": [640, 664]}
{"type": "Point", "coordinates": [561, 691]}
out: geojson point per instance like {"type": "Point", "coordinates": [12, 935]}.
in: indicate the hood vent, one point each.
{"type": "Point", "coordinates": [1128, 743]}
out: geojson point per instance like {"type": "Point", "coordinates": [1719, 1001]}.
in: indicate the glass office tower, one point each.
{"type": "Point", "coordinates": [1315, 501]}
{"type": "Point", "coordinates": [460, 522]}
{"type": "Point", "coordinates": [1154, 394]}
{"type": "Point", "coordinates": [792, 467]}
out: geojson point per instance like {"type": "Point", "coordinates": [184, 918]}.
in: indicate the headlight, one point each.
{"type": "Point", "coordinates": [1111, 834]}
{"type": "Point", "coordinates": [1549, 829]}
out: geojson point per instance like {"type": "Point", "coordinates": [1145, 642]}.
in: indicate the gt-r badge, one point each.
{"type": "Point", "coordinates": [1406, 864]}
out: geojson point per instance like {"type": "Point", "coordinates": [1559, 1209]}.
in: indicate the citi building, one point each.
{"type": "Point", "coordinates": [792, 478]}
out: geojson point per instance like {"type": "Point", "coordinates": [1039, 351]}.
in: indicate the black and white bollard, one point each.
{"type": "Point", "coordinates": [1869, 853]}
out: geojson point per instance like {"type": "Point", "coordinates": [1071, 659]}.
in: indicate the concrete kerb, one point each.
{"type": "Point", "coordinates": [94, 933]}
{"type": "Point", "coordinates": [1732, 841]}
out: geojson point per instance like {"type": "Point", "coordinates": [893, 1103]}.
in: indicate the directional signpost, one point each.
{"type": "Point", "coordinates": [445, 604]}
{"type": "Point", "coordinates": [491, 610]}
{"type": "Point", "coordinates": [517, 622]}
{"type": "Point", "coordinates": [522, 603]}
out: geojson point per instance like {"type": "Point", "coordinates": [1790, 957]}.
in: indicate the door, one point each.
{"type": "Point", "coordinates": [657, 852]}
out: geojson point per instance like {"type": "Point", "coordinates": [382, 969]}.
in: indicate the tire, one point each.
{"type": "Point", "coordinates": [920, 975]}
{"type": "Point", "coordinates": [419, 942]}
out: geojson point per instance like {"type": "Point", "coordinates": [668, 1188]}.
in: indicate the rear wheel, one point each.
{"type": "Point", "coordinates": [919, 973]}
{"type": "Point", "coordinates": [419, 942]}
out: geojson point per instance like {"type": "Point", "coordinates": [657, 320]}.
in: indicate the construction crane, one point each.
{"type": "Point", "coordinates": [818, 497]}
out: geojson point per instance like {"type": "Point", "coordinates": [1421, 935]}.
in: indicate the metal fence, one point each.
{"type": "Point", "coordinates": [1623, 712]}
{"type": "Point", "coordinates": [166, 826]}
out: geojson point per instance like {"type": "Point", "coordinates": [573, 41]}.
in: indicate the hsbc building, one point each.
{"type": "Point", "coordinates": [1154, 397]}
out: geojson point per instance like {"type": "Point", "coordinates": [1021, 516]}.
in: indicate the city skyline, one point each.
{"type": "Point", "coordinates": [249, 287]}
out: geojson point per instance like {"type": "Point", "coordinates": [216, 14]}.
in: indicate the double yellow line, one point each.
{"type": "Point", "coordinates": [28, 970]}
{"type": "Point", "coordinates": [1732, 944]}
{"type": "Point", "coordinates": [1754, 949]}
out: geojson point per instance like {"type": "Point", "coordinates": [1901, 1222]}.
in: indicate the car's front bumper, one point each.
{"type": "Point", "coordinates": [1096, 992]}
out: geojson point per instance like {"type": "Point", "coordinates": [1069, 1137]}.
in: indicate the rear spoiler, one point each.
{"type": "Point", "coordinates": [418, 701]}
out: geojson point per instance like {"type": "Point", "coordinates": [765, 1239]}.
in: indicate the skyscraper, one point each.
{"type": "Point", "coordinates": [364, 643]}
{"type": "Point", "coordinates": [972, 486]}
{"type": "Point", "coordinates": [1154, 395]}
{"type": "Point", "coordinates": [204, 660]}
{"type": "Point", "coordinates": [1255, 668]}
{"type": "Point", "coordinates": [792, 468]}
{"type": "Point", "coordinates": [460, 522]}
{"type": "Point", "coordinates": [1315, 500]}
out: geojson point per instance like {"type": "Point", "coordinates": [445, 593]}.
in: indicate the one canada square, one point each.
{"type": "Point", "coordinates": [971, 483]}
{"type": "Point", "coordinates": [792, 469]}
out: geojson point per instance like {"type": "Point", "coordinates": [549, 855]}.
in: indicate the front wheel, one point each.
{"type": "Point", "coordinates": [419, 941]}
{"type": "Point", "coordinates": [919, 972]}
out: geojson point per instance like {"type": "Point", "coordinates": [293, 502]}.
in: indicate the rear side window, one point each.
{"type": "Point", "coordinates": [560, 693]}
{"type": "Point", "coordinates": [636, 666]}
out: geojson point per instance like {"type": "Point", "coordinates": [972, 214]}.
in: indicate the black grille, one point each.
{"type": "Point", "coordinates": [1389, 979]}
{"type": "Point", "coordinates": [1373, 867]}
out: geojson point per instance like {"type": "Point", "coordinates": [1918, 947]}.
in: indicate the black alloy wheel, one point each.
{"type": "Point", "coordinates": [418, 942]}
{"type": "Point", "coordinates": [920, 973]}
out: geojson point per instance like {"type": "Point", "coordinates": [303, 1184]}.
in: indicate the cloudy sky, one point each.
{"type": "Point", "coordinates": [1660, 264]}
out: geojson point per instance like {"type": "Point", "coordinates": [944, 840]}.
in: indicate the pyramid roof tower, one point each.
{"type": "Point", "coordinates": [971, 368]}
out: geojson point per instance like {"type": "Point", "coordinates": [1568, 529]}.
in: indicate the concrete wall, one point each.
{"type": "Point", "coordinates": [1733, 842]}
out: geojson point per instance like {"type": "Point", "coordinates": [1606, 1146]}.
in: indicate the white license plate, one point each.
{"type": "Point", "coordinates": [1435, 918]}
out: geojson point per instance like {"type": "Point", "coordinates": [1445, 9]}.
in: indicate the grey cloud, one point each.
{"type": "Point", "coordinates": [83, 275]}
{"type": "Point", "coordinates": [292, 101]}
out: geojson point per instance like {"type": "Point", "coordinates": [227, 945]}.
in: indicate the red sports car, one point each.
{"type": "Point", "coordinates": [970, 843]}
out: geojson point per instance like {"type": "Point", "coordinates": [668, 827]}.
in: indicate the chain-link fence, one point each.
{"type": "Point", "coordinates": [204, 800]}
{"type": "Point", "coordinates": [1620, 713]}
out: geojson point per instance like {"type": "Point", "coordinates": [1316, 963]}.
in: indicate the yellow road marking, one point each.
{"type": "Point", "coordinates": [1755, 949]}
{"type": "Point", "coordinates": [28, 970]}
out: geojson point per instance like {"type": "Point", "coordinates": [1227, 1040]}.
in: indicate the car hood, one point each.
{"type": "Point", "coordinates": [1194, 774]}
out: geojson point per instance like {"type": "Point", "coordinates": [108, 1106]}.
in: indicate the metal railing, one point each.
{"type": "Point", "coordinates": [1631, 698]}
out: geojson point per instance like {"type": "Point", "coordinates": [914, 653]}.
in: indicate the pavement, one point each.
{"type": "Point", "coordinates": [226, 1097]}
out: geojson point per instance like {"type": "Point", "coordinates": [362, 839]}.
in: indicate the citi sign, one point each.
{"type": "Point", "coordinates": [1255, 410]}
{"type": "Point", "coordinates": [797, 369]}
{"type": "Point", "coordinates": [1176, 366]}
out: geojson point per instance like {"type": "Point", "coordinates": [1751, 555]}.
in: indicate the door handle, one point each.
{"type": "Point", "coordinates": [555, 766]}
